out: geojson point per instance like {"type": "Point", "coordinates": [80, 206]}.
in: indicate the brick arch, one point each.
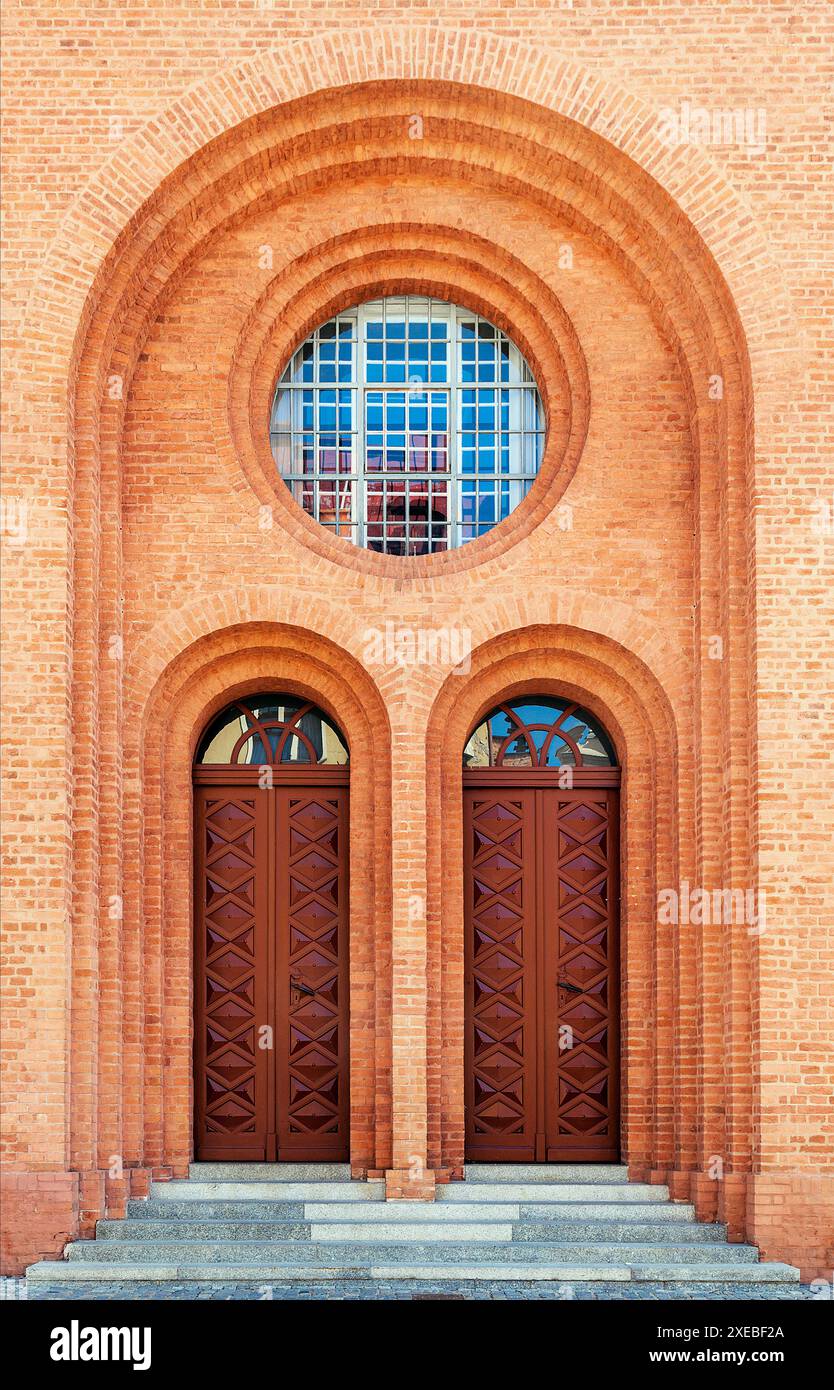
{"type": "Point", "coordinates": [643, 718]}
{"type": "Point", "coordinates": [377, 261]}
{"type": "Point", "coordinates": [157, 218]}
{"type": "Point", "coordinates": [244, 609]}
{"type": "Point", "coordinates": [169, 702]}
{"type": "Point", "coordinates": [112, 201]}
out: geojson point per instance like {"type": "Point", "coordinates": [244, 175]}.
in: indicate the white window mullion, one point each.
{"type": "Point", "coordinates": [521, 436]}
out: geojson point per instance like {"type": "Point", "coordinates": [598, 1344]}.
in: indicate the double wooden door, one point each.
{"type": "Point", "coordinates": [541, 971]}
{"type": "Point", "coordinates": [271, 967]}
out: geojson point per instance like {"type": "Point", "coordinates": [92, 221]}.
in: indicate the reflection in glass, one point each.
{"type": "Point", "coordinates": [539, 733]}
{"type": "Point", "coordinates": [272, 730]}
{"type": "Point", "coordinates": [408, 424]}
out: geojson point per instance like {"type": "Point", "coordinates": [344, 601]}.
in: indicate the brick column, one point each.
{"type": "Point", "coordinates": [410, 1175]}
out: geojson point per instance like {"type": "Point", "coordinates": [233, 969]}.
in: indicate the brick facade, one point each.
{"type": "Point", "coordinates": [190, 190]}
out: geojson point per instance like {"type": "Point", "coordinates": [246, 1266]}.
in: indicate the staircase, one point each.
{"type": "Point", "coordinates": [287, 1223]}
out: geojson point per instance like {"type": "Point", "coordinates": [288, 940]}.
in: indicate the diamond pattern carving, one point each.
{"type": "Point", "coordinates": [499, 1018]}
{"type": "Point", "coordinates": [271, 956]}
{"type": "Point", "coordinates": [539, 942]}
{"type": "Point", "coordinates": [229, 970]}
{"type": "Point", "coordinates": [315, 874]}
{"type": "Point", "coordinates": [583, 1086]}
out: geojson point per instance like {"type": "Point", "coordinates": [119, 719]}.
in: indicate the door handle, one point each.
{"type": "Point", "coordinates": [574, 989]}
{"type": "Point", "coordinates": [295, 983]}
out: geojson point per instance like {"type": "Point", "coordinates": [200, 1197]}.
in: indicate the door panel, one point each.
{"type": "Point", "coordinates": [312, 966]}
{"type": "Point", "coordinates": [541, 973]}
{"type": "Point", "coordinates": [231, 972]}
{"type": "Point", "coordinates": [579, 922]}
{"type": "Point", "coordinates": [271, 972]}
{"type": "Point", "coordinates": [500, 969]}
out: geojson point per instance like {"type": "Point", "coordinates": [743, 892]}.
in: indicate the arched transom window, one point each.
{"type": "Point", "coordinates": [539, 732]}
{"type": "Point", "coordinates": [408, 425]}
{"type": "Point", "coordinates": [269, 730]}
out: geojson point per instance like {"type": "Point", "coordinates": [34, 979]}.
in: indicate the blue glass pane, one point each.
{"type": "Point", "coordinates": [559, 754]}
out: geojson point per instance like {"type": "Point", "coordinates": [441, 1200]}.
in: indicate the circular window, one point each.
{"type": "Point", "coordinates": [408, 425]}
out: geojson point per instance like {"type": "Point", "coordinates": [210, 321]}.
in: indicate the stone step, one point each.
{"type": "Point", "coordinates": [546, 1172]}
{"type": "Point", "coordinates": [373, 1250]}
{"type": "Point", "coordinates": [270, 1172]}
{"type": "Point", "coordinates": [151, 1209]}
{"type": "Point", "coordinates": [673, 1213]}
{"type": "Point", "coordinates": [409, 1211]}
{"type": "Point", "coordinates": [551, 1192]}
{"type": "Point", "coordinates": [168, 1231]}
{"type": "Point", "coordinates": [181, 1190]}
{"type": "Point", "coordinates": [353, 1226]}
{"type": "Point", "coordinates": [64, 1272]}
{"type": "Point", "coordinates": [263, 1212]}
{"type": "Point", "coordinates": [652, 1232]}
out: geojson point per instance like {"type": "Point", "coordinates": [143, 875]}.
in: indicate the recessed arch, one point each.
{"type": "Point", "coordinates": [207, 177]}
{"type": "Point", "coordinates": [636, 710]}
{"type": "Point", "coordinates": [167, 718]}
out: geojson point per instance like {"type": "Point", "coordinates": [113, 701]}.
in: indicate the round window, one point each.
{"type": "Point", "coordinates": [408, 425]}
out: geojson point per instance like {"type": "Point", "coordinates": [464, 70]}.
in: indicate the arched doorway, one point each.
{"type": "Point", "coordinates": [271, 934]}
{"type": "Point", "coordinates": [541, 884]}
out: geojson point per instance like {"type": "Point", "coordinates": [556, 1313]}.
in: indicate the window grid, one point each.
{"type": "Point", "coordinates": [408, 425]}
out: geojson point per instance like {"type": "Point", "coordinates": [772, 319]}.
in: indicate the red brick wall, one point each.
{"type": "Point", "coordinates": [152, 154]}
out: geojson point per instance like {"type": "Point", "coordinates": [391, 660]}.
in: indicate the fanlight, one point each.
{"type": "Point", "coordinates": [269, 730]}
{"type": "Point", "coordinates": [539, 732]}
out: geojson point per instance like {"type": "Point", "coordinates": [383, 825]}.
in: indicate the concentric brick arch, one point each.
{"type": "Point", "coordinates": [638, 712]}
{"type": "Point", "coordinates": [382, 261]}
{"type": "Point", "coordinates": [112, 202]}
{"type": "Point", "coordinates": [535, 135]}
{"type": "Point", "coordinates": [167, 710]}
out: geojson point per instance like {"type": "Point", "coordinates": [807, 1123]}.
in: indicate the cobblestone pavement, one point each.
{"type": "Point", "coordinates": [404, 1291]}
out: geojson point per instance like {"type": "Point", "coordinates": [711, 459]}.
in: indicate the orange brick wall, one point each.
{"type": "Point", "coordinates": [154, 568]}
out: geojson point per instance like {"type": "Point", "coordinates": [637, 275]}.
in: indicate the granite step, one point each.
{"type": "Point", "coordinates": [546, 1172]}
{"type": "Point", "coordinates": [269, 1172]}
{"type": "Point", "coordinates": [294, 1223]}
{"type": "Point", "coordinates": [63, 1272]}
{"type": "Point", "coordinates": [156, 1209]}
{"type": "Point", "coordinates": [551, 1192]}
{"type": "Point", "coordinates": [160, 1232]}
{"type": "Point", "coordinates": [491, 1227]}
{"type": "Point", "coordinates": [184, 1190]}
{"type": "Point", "coordinates": [323, 1248]}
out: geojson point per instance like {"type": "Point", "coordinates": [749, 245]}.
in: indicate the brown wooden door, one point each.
{"type": "Point", "coordinates": [542, 1068]}
{"type": "Point", "coordinates": [271, 968]}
